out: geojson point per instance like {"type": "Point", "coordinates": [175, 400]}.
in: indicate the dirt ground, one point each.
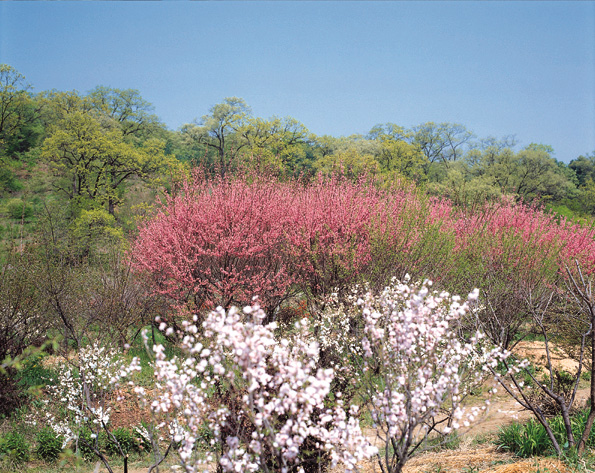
{"type": "Point", "coordinates": [535, 352]}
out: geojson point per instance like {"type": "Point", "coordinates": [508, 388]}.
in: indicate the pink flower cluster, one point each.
{"type": "Point", "coordinates": [220, 242]}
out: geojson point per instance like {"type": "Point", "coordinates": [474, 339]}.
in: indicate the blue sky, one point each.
{"type": "Point", "coordinates": [499, 68]}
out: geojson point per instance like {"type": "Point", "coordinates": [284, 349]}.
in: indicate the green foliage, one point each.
{"type": "Point", "coordinates": [442, 142]}
{"type": "Point", "coordinates": [530, 439]}
{"type": "Point", "coordinates": [128, 442]}
{"type": "Point", "coordinates": [219, 131]}
{"type": "Point", "coordinates": [563, 211]}
{"type": "Point", "coordinates": [584, 168]}
{"type": "Point", "coordinates": [126, 110]}
{"type": "Point", "coordinates": [17, 209]}
{"type": "Point", "coordinates": [49, 444]}
{"type": "Point", "coordinates": [348, 162]}
{"type": "Point", "coordinates": [525, 440]}
{"type": "Point", "coordinates": [14, 446]}
{"type": "Point", "coordinates": [528, 174]}
{"type": "Point", "coordinates": [94, 229]}
{"type": "Point", "coordinates": [87, 440]}
{"type": "Point", "coordinates": [92, 161]}
{"type": "Point", "coordinates": [8, 180]}
{"type": "Point", "coordinates": [16, 107]}
{"type": "Point", "coordinates": [34, 374]}
{"type": "Point", "coordinates": [277, 143]}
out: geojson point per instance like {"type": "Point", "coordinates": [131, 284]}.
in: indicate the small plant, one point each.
{"type": "Point", "coordinates": [470, 469]}
{"type": "Point", "coordinates": [86, 441]}
{"type": "Point", "coordinates": [17, 209]}
{"type": "Point", "coordinates": [525, 440]}
{"type": "Point", "coordinates": [125, 438]}
{"type": "Point", "coordinates": [49, 444]}
{"type": "Point", "coordinates": [529, 439]}
{"type": "Point", "coordinates": [14, 446]}
{"type": "Point", "coordinates": [35, 374]}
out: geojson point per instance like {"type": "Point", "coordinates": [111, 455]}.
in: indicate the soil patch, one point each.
{"type": "Point", "coordinates": [535, 353]}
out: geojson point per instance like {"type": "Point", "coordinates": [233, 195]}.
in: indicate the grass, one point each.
{"type": "Point", "coordinates": [530, 439]}
{"type": "Point", "coordinates": [139, 350]}
{"type": "Point", "coordinates": [69, 463]}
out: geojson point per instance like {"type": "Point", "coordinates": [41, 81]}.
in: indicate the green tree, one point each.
{"type": "Point", "coordinates": [584, 168]}
{"type": "Point", "coordinates": [349, 162]}
{"type": "Point", "coordinates": [389, 131]}
{"type": "Point", "coordinates": [218, 131]}
{"type": "Point", "coordinates": [586, 196]}
{"type": "Point", "coordinates": [398, 156]}
{"type": "Point", "coordinates": [92, 164]}
{"type": "Point", "coordinates": [442, 142]}
{"type": "Point", "coordinates": [17, 107]}
{"type": "Point", "coordinates": [132, 114]}
{"type": "Point", "coordinates": [528, 174]}
{"type": "Point", "coordinates": [324, 145]}
{"type": "Point", "coordinates": [58, 105]}
{"type": "Point", "coordinates": [464, 188]}
{"type": "Point", "coordinates": [280, 142]}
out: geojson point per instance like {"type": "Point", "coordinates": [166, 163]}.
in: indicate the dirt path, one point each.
{"type": "Point", "coordinates": [504, 410]}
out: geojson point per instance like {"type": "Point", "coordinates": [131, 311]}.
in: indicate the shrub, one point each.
{"type": "Point", "coordinates": [84, 446]}
{"type": "Point", "coordinates": [410, 235]}
{"type": "Point", "coordinates": [12, 395]}
{"type": "Point", "coordinates": [263, 400]}
{"type": "Point", "coordinates": [17, 209]}
{"type": "Point", "coordinates": [329, 239]}
{"type": "Point", "coordinates": [125, 438]}
{"type": "Point", "coordinates": [76, 404]}
{"type": "Point", "coordinates": [14, 446]}
{"type": "Point", "coordinates": [8, 180]}
{"type": "Point", "coordinates": [49, 444]}
{"type": "Point", "coordinates": [22, 323]}
{"type": "Point", "coordinates": [416, 369]}
{"type": "Point", "coordinates": [268, 405]}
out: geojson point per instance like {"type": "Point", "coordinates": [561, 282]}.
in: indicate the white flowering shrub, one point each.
{"type": "Point", "coordinates": [262, 399]}
{"type": "Point", "coordinates": [337, 328]}
{"type": "Point", "coordinates": [416, 368]}
{"type": "Point", "coordinates": [75, 406]}
{"type": "Point", "coordinates": [240, 396]}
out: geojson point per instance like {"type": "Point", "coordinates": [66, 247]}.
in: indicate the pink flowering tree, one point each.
{"type": "Point", "coordinates": [329, 244]}
{"type": "Point", "coordinates": [218, 243]}
{"type": "Point", "coordinates": [516, 253]}
{"type": "Point", "coordinates": [261, 399]}
{"type": "Point", "coordinates": [416, 368]}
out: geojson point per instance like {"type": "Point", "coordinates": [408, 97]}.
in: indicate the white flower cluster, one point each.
{"type": "Point", "coordinates": [261, 398]}
{"type": "Point", "coordinates": [78, 397]}
{"type": "Point", "coordinates": [417, 363]}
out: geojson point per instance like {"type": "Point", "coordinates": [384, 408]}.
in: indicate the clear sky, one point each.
{"type": "Point", "coordinates": [499, 68]}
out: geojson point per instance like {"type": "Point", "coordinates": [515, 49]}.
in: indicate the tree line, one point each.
{"type": "Point", "coordinates": [92, 149]}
